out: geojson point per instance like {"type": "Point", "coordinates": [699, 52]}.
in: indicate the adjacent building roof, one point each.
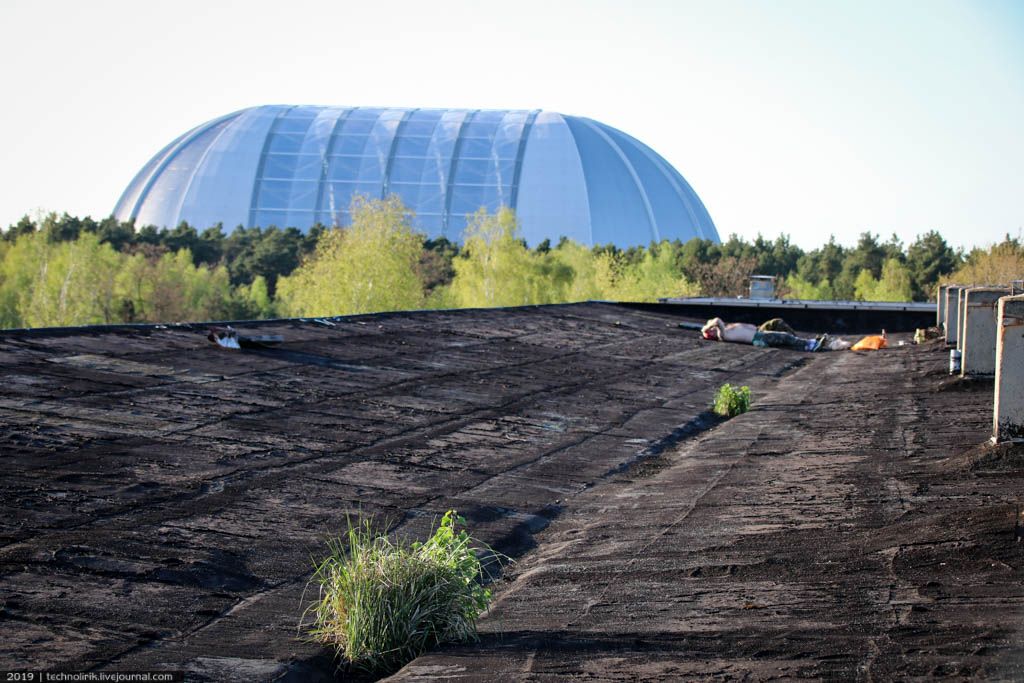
{"type": "Point", "coordinates": [301, 165]}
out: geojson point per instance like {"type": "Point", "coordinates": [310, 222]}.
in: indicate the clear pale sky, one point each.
{"type": "Point", "coordinates": [804, 117]}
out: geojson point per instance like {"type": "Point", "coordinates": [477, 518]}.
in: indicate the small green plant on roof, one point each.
{"type": "Point", "coordinates": [383, 603]}
{"type": "Point", "coordinates": [731, 401]}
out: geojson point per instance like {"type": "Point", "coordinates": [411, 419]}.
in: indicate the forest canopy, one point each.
{"type": "Point", "coordinates": [63, 270]}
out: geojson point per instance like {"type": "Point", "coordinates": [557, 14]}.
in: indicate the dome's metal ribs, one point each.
{"type": "Point", "coordinates": [520, 154]}
{"type": "Point", "coordinates": [325, 163]}
{"type": "Point", "coordinates": [632, 172]}
{"type": "Point", "coordinates": [192, 177]}
{"type": "Point", "coordinates": [165, 162]}
{"type": "Point", "coordinates": [435, 160]}
{"type": "Point", "coordinates": [263, 160]}
{"type": "Point", "coordinates": [689, 205]}
{"type": "Point", "coordinates": [698, 224]}
{"type": "Point", "coordinates": [139, 179]}
{"type": "Point", "coordinates": [247, 159]}
{"type": "Point", "coordinates": [386, 185]}
{"type": "Point", "coordinates": [450, 181]}
{"type": "Point", "coordinates": [663, 166]}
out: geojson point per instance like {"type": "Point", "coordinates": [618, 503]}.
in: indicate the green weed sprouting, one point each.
{"type": "Point", "coordinates": [383, 603]}
{"type": "Point", "coordinates": [731, 401]}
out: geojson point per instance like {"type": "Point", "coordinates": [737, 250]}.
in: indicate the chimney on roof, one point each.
{"type": "Point", "coordinates": [762, 287]}
{"type": "Point", "coordinates": [940, 310]}
{"type": "Point", "coordinates": [952, 315]}
{"type": "Point", "coordinates": [1008, 411]}
{"type": "Point", "coordinates": [977, 340]}
{"type": "Point", "coordinates": [961, 316]}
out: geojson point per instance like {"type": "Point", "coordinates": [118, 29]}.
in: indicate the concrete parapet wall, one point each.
{"type": "Point", "coordinates": [1008, 412]}
{"type": "Point", "coordinates": [978, 334]}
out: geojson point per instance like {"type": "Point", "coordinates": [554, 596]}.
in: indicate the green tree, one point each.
{"type": "Point", "coordinates": [893, 285]}
{"type": "Point", "coordinates": [171, 288]}
{"type": "Point", "coordinates": [24, 226]}
{"type": "Point", "coordinates": [182, 236]}
{"type": "Point", "coordinates": [252, 301]}
{"type": "Point", "coordinates": [269, 252]}
{"type": "Point", "coordinates": [869, 256]}
{"type": "Point", "coordinates": [368, 267]}
{"type": "Point", "coordinates": [496, 268]}
{"type": "Point", "coordinates": [582, 263]}
{"type": "Point", "coordinates": [779, 257]}
{"type": "Point", "coordinates": [62, 228]}
{"type": "Point", "coordinates": [893, 248]}
{"type": "Point", "coordinates": [995, 265]}
{"type": "Point", "coordinates": [118, 234]}
{"type": "Point", "coordinates": [729, 276]}
{"type": "Point", "coordinates": [738, 248]}
{"type": "Point", "coordinates": [697, 253]}
{"type": "Point", "coordinates": [435, 265]}
{"type": "Point", "coordinates": [929, 258]}
{"type": "Point", "coordinates": [825, 263]}
{"type": "Point", "coordinates": [797, 287]}
{"type": "Point", "coordinates": [654, 276]}
{"type": "Point", "coordinates": [45, 283]}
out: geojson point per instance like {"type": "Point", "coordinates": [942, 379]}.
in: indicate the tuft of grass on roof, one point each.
{"type": "Point", "coordinates": [731, 401]}
{"type": "Point", "coordinates": [383, 603]}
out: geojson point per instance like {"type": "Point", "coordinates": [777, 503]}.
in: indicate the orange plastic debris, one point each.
{"type": "Point", "coordinates": [872, 342]}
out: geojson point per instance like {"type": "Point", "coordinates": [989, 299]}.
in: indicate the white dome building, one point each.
{"type": "Point", "coordinates": [295, 166]}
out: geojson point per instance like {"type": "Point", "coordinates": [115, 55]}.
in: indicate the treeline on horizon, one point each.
{"type": "Point", "coordinates": [60, 270]}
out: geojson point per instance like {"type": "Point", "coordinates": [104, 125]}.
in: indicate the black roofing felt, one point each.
{"type": "Point", "coordinates": [161, 497]}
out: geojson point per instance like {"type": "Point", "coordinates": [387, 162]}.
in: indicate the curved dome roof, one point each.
{"type": "Point", "coordinates": [299, 165]}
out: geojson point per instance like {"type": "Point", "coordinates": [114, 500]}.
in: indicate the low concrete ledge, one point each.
{"type": "Point", "coordinates": [1008, 411]}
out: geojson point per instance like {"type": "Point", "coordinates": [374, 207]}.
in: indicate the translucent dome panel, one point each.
{"type": "Point", "coordinates": [302, 165]}
{"type": "Point", "coordinates": [552, 191]}
{"type": "Point", "coordinates": [667, 192]}
{"type": "Point", "coordinates": [127, 205]}
{"type": "Point", "coordinates": [619, 210]}
{"type": "Point", "coordinates": [222, 185]}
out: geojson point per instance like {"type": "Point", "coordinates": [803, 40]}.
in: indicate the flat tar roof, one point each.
{"type": "Point", "coordinates": [162, 497]}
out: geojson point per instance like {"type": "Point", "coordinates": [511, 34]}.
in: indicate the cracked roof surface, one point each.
{"type": "Point", "coordinates": [162, 497]}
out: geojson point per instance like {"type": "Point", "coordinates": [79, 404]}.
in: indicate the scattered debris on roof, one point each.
{"type": "Point", "coordinates": [229, 338]}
